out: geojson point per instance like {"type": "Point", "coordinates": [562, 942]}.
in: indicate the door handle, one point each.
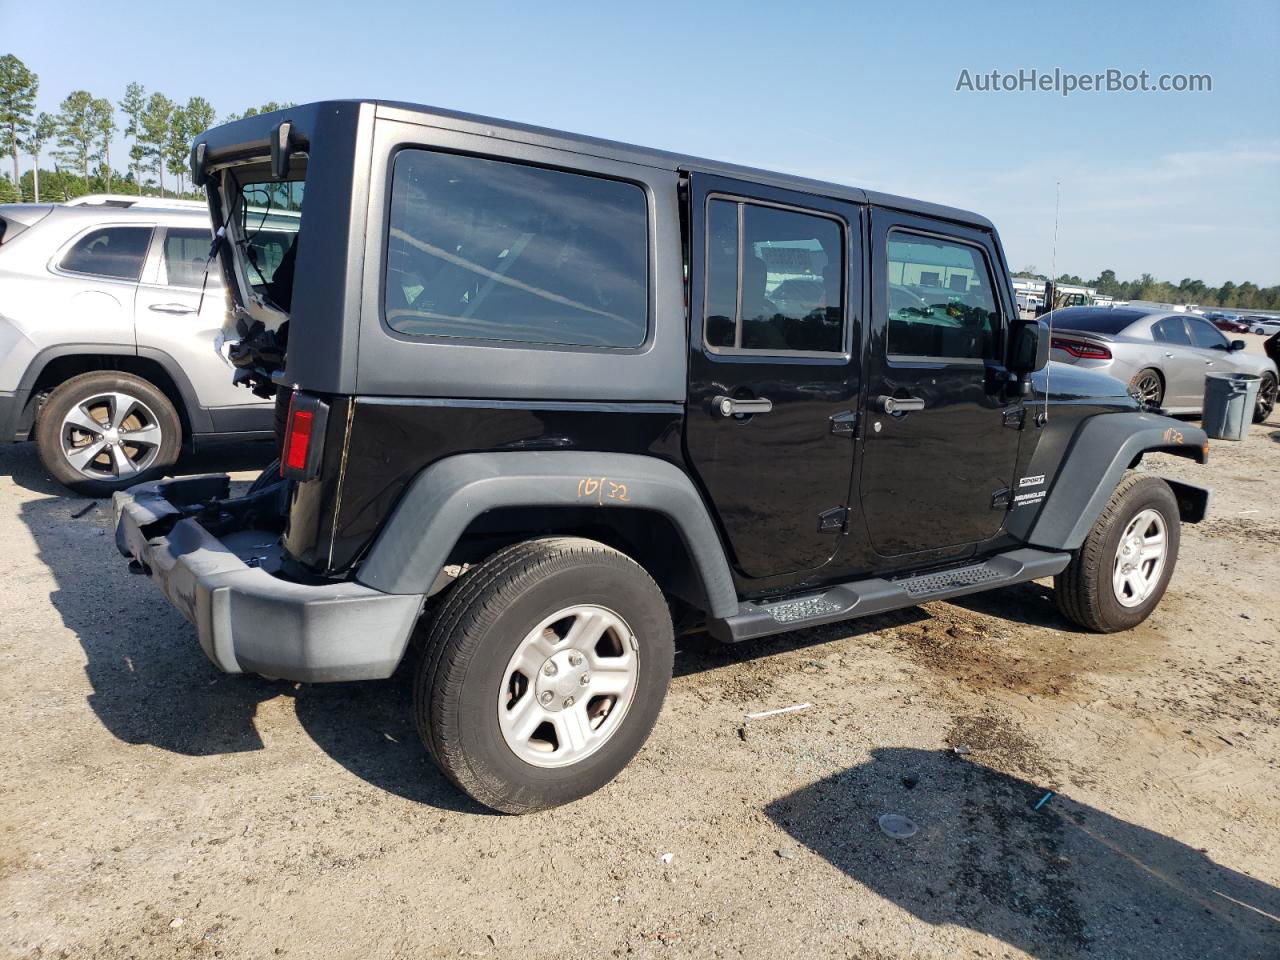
{"type": "Point", "coordinates": [895, 405]}
{"type": "Point", "coordinates": [730, 407]}
{"type": "Point", "coordinates": [175, 308]}
{"type": "Point", "coordinates": [1168, 355]}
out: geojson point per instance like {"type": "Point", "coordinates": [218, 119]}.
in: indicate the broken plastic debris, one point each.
{"type": "Point", "coordinates": [897, 826]}
{"type": "Point", "coordinates": [667, 857]}
{"type": "Point", "coordinates": [176, 922]}
{"type": "Point", "coordinates": [777, 712]}
{"type": "Point", "coordinates": [962, 750]}
{"type": "Point", "coordinates": [786, 853]}
{"type": "Point", "coordinates": [1043, 800]}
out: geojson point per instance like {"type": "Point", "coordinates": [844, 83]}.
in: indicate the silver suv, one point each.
{"type": "Point", "coordinates": [108, 356]}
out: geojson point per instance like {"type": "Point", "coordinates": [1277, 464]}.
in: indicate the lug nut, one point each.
{"type": "Point", "coordinates": [547, 696]}
{"type": "Point", "coordinates": [575, 659]}
{"type": "Point", "coordinates": [568, 702]}
{"type": "Point", "coordinates": [550, 669]}
{"type": "Point", "coordinates": [585, 679]}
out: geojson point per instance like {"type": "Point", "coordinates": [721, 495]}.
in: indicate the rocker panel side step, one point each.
{"type": "Point", "coordinates": [859, 598]}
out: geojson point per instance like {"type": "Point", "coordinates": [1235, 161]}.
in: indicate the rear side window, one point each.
{"type": "Point", "coordinates": [492, 250]}
{"type": "Point", "coordinates": [1171, 330]}
{"type": "Point", "coordinates": [774, 280]}
{"type": "Point", "coordinates": [115, 252]}
{"type": "Point", "coordinates": [185, 255]}
{"type": "Point", "coordinates": [1106, 320]}
{"type": "Point", "coordinates": [941, 300]}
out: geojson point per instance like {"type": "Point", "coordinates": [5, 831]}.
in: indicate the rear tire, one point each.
{"type": "Point", "coordinates": [1112, 583]}
{"type": "Point", "coordinates": [1147, 387]}
{"type": "Point", "coordinates": [512, 696]}
{"type": "Point", "coordinates": [105, 431]}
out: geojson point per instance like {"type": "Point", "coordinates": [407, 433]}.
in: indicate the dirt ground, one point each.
{"type": "Point", "coordinates": [151, 807]}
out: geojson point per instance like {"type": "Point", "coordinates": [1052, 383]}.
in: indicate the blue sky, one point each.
{"type": "Point", "coordinates": [862, 93]}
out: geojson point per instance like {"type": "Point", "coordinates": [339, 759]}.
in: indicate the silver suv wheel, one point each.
{"type": "Point", "coordinates": [568, 685]}
{"type": "Point", "coordinates": [1140, 558]}
{"type": "Point", "coordinates": [110, 436]}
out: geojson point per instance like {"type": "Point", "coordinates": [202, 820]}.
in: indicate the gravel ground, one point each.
{"type": "Point", "coordinates": [152, 807]}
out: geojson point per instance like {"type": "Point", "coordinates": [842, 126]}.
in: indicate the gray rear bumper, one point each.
{"type": "Point", "coordinates": [247, 619]}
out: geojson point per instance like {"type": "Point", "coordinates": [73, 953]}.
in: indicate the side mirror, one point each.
{"type": "Point", "coordinates": [1238, 345]}
{"type": "Point", "coordinates": [1029, 347]}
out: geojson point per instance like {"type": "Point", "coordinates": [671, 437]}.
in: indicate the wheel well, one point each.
{"type": "Point", "coordinates": [61, 369]}
{"type": "Point", "coordinates": [649, 538]}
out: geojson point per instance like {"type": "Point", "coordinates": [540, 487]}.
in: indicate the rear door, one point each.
{"type": "Point", "coordinates": [941, 438]}
{"type": "Point", "coordinates": [771, 363]}
{"type": "Point", "coordinates": [171, 315]}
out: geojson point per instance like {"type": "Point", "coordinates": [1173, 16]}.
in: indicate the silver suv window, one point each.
{"type": "Point", "coordinates": [115, 252]}
{"type": "Point", "coordinates": [185, 254]}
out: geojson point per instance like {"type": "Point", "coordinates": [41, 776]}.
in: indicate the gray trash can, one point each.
{"type": "Point", "coordinates": [1229, 399]}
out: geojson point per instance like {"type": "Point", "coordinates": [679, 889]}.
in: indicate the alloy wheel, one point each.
{"type": "Point", "coordinates": [1266, 398]}
{"type": "Point", "coordinates": [110, 436]}
{"type": "Point", "coordinates": [567, 687]}
{"type": "Point", "coordinates": [1140, 558]}
{"type": "Point", "coordinates": [1146, 389]}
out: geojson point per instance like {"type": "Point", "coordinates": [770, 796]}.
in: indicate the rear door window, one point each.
{"type": "Point", "coordinates": [775, 280]}
{"type": "Point", "coordinates": [1171, 330]}
{"type": "Point", "coordinates": [942, 300]}
{"type": "Point", "coordinates": [114, 252]}
{"type": "Point", "coordinates": [491, 250]}
{"type": "Point", "coordinates": [185, 254]}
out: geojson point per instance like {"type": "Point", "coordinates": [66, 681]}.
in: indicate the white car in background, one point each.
{"type": "Point", "coordinates": [107, 346]}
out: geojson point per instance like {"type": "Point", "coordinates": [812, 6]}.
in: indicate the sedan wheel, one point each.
{"type": "Point", "coordinates": [1147, 388]}
{"type": "Point", "coordinates": [1266, 402]}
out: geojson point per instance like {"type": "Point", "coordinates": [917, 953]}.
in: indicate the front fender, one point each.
{"type": "Point", "coordinates": [441, 502]}
{"type": "Point", "coordinates": [1104, 447]}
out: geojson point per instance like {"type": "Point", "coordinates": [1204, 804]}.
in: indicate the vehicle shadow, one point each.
{"type": "Point", "coordinates": [151, 683]}
{"type": "Point", "coordinates": [1064, 881]}
{"type": "Point", "coordinates": [1030, 604]}
{"type": "Point", "coordinates": [21, 463]}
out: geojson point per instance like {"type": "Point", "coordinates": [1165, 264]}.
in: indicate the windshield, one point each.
{"type": "Point", "coordinates": [268, 216]}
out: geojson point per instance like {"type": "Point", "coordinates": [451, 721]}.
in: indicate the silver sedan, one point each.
{"type": "Point", "coordinates": [1162, 356]}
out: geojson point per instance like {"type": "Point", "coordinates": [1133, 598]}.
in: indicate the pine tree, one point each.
{"type": "Point", "coordinates": [156, 121]}
{"type": "Point", "coordinates": [18, 87]}
{"type": "Point", "coordinates": [42, 131]}
{"type": "Point", "coordinates": [78, 130]}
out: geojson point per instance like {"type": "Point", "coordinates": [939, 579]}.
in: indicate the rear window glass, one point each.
{"type": "Point", "coordinates": [185, 254]}
{"type": "Point", "coordinates": [1095, 319]}
{"type": "Point", "coordinates": [491, 250]}
{"type": "Point", "coordinates": [115, 252]}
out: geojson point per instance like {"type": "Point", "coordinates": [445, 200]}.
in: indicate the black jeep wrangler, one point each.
{"type": "Point", "coordinates": [553, 400]}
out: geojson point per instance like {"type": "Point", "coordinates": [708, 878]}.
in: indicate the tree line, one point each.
{"type": "Point", "coordinates": [1242, 296]}
{"type": "Point", "coordinates": [78, 139]}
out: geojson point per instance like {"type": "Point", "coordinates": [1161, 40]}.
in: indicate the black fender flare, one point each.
{"type": "Point", "coordinates": [443, 499]}
{"type": "Point", "coordinates": [1104, 447]}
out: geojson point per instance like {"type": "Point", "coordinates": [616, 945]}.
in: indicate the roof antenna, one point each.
{"type": "Point", "coordinates": [1053, 272]}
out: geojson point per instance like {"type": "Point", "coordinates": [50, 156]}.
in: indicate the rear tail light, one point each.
{"type": "Point", "coordinates": [304, 437]}
{"type": "Point", "coordinates": [1086, 351]}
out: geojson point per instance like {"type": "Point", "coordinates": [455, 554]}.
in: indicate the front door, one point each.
{"type": "Point", "coordinates": [1180, 362]}
{"type": "Point", "coordinates": [941, 432]}
{"type": "Point", "coordinates": [771, 363]}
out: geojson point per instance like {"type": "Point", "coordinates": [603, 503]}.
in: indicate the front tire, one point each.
{"type": "Point", "coordinates": [1122, 569]}
{"type": "Point", "coordinates": [105, 431]}
{"type": "Point", "coordinates": [543, 673]}
{"type": "Point", "coordinates": [1266, 402]}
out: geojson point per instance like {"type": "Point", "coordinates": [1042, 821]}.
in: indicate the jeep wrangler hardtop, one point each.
{"type": "Point", "coordinates": [552, 401]}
